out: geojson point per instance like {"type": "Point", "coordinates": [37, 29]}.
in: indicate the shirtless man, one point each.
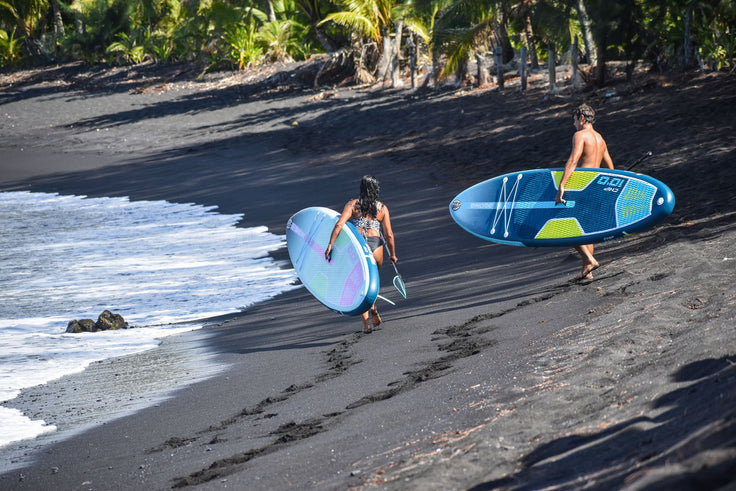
{"type": "Point", "coordinates": [588, 150]}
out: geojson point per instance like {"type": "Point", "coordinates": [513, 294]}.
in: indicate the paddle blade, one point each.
{"type": "Point", "coordinates": [399, 282]}
{"type": "Point", "coordinates": [399, 285]}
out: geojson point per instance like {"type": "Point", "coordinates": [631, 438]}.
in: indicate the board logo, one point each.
{"type": "Point", "coordinates": [614, 184]}
{"type": "Point", "coordinates": [456, 205]}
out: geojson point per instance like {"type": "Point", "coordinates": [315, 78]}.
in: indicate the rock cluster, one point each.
{"type": "Point", "coordinates": [107, 321]}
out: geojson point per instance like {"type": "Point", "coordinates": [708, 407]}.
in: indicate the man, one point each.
{"type": "Point", "coordinates": [588, 150]}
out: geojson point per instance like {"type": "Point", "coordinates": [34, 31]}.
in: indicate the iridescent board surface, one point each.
{"type": "Point", "coordinates": [348, 284]}
{"type": "Point", "coordinates": [602, 204]}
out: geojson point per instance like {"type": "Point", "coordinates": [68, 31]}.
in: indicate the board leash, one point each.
{"type": "Point", "coordinates": [386, 299]}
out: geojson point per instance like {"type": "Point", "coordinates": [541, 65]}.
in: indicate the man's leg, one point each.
{"type": "Point", "coordinates": [589, 262]}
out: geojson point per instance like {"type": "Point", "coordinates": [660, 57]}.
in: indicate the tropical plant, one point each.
{"type": "Point", "coordinates": [368, 23]}
{"type": "Point", "coordinates": [461, 29]}
{"type": "Point", "coordinates": [23, 14]}
{"type": "Point", "coordinates": [10, 49]}
{"type": "Point", "coordinates": [162, 49]}
{"type": "Point", "coordinates": [315, 11]}
{"type": "Point", "coordinates": [366, 35]}
{"type": "Point", "coordinates": [717, 44]}
{"type": "Point", "coordinates": [278, 41]}
{"type": "Point", "coordinates": [100, 21]}
{"type": "Point", "coordinates": [127, 49]}
{"type": "Point", "coordinates": [243, 43]}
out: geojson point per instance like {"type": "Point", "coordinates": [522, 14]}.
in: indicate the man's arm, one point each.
{"type": "Point", "coordinates": [578, 144]}
{"type": "Point", "coordinates": [607, 161]}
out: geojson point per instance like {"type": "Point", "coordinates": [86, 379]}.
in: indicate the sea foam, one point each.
{"type": "Point", "coordinates": [162, 266]}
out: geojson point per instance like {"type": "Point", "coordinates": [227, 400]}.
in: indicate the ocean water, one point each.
{"type": "Point", "coordinates": [162, 266]}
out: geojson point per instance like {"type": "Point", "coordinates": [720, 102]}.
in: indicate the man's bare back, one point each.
{"type": "Point", "coordinates": [594, 151]}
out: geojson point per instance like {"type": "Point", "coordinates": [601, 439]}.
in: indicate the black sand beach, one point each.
{"type": "Point", "coordinates": [497, 372]}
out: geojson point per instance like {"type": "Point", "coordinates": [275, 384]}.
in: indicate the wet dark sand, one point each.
{"type": "Point", "coordinates": [498, 371]}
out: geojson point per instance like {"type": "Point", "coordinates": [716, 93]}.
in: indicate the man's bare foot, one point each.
{"type": "Point", "coordinates": [375, 317]}
{"type": "Point", "coordinates": [587, 273]}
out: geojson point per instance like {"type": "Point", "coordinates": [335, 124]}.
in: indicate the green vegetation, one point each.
{"type": "Point", "coordinates": [668, 34]}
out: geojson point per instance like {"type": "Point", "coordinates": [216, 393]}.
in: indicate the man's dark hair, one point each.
{"type": "Point", "coordinates": [586, 111]}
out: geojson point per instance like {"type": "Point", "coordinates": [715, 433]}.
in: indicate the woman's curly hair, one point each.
{"type": "Point", "coordinates": [369, 190]}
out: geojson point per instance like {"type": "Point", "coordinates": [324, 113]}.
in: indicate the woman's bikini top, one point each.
{"type": "Point", "coordinates": [368, 224]}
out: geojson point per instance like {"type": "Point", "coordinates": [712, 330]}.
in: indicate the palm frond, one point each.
{"type": "Point", "coordinates": [460, 43]}
{"type": "Point", "coordinates": [355, 22]}
{"type": "Point", "coordinates": [419, 28]}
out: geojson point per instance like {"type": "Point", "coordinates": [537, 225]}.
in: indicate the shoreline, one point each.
{"type": "Point", "coordinates": [109, 389]}
{"type": "Point", "coordinates": [496, 371]}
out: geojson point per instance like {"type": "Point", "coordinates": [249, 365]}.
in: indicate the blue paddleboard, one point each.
{"type": "Point", "coordinates": [602, 204]}
{"type": "Point", "coordinates": [348, 284]}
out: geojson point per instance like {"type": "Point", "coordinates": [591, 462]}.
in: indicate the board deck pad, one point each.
{"type": "Point", "coordinates": [602, 204]}
{"type": "Point", "coordinates": [348, 284]}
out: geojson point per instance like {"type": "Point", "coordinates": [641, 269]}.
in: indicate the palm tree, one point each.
{"type": "Point", "coordinates": [587, 32]}
{"type": "Point", "coordinates": [314, 12]}
{"type": "Point", "coordinates": [421, 23]}
{"type": "Point", "coordinates": [25, 15]}
{"type": "Point", "coordinates": [367, 21]}
{"type": "Point", "coordinates": [468, 26]}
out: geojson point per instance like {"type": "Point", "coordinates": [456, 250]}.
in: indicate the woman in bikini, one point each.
{"type": "Point", "coordinates": [368, 215]}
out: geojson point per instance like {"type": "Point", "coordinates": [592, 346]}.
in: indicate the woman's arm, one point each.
{"type": "Point", "coordinates": [388, 234]}
{"type": "Point", "coordinates": [347, 212]}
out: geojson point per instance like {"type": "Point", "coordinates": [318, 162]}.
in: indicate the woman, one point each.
{"type": "Point", "coordinates": [368, 215]}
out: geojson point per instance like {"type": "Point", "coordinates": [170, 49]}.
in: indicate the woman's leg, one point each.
{"type": "Point", "coordinates": [378, 255]}
{"type": "Point", "coordinates": [366, 325]}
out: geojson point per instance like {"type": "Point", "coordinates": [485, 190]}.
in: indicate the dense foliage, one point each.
{"type": "Point", "coordinates": [669, 34]}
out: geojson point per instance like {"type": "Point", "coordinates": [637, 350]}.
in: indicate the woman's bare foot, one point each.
{"type": "Point", "coordinates": [375, 317]}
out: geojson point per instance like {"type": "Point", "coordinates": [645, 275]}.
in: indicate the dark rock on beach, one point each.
{"type": "Point", "coordinates": [107, 321]}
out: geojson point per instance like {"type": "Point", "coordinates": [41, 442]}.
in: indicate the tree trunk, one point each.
{"type": "Point", "coordinates": [384, 64]}
{"type": "Point", "coordinates": [324, 39]}
{"type": "Point", "coordinates": [502, 35]}
{"type": "Point", "coordinates": [533, 60]}
{"type": "Point", "coordinates": [575, 81]}
{"type": "Point", "coordinates": [601, 67]}
{"type": "Point", "coordinates": [396, 52]}
{"type": "Point", "coordinates": [688, 41]}
{"type": "Point", "coordinates": [482, 74]}
{"type": "Point", "coordinates": [497, 55]}
{"type": "Point", "coordinates": [362, 74]}
{"type": "Point", "coordinates": [58, 21]}
{"type": "Point", "coordinates": [551, 68]}
{"type": "Point", "coordinates": [522, 69]}
{"type": "Point", "coordinates": [590, 50]}
{"type": "Point", "coordinates": [431, 79]}
{"type": "Point", "coordinates": [79, 23]}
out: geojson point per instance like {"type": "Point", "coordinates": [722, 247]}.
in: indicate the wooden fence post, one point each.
{"type": "Point", "coordinates": [499, 68]}
{"type": "Point", "coordinates": [551, 67]}
{"type": "Point", "coordinates": [575, 80]}
{"type": "Point", "coordinates": [412, 61]}
{"type": "Point", "coordinates": [522, 68]}
{"type": "Point", "coordinates": [482, 74]}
